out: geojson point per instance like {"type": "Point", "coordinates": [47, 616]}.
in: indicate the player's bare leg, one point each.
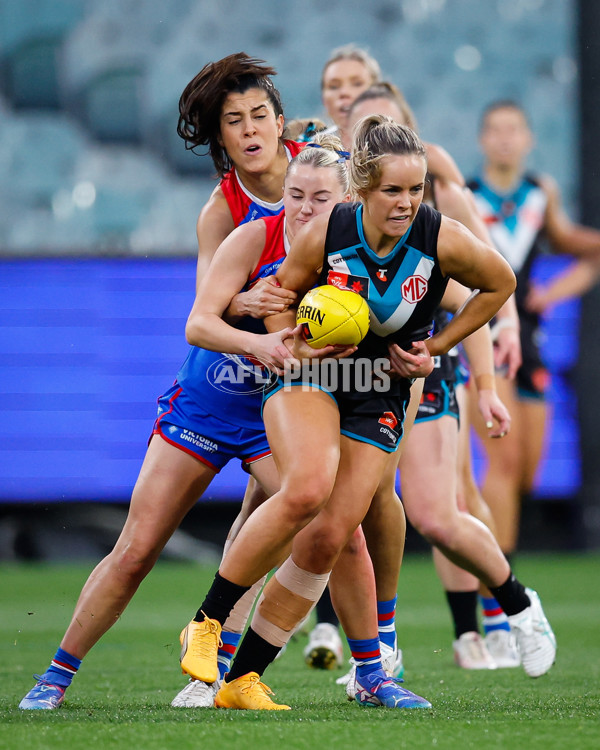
{"type": "Point", "coordinates": [167, 472]}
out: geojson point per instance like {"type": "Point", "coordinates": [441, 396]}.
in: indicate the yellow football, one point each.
{"type": "Point", "coordinates": [329, 315]}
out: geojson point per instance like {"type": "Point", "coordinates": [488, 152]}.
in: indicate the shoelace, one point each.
{"type": "Point", "coordinates": [199, 646]}
{"type": "Point", "coordinates": [254, 683]}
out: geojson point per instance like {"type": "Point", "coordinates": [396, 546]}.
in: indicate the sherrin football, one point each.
{"type": "Point", "coordinates": [329, 315]}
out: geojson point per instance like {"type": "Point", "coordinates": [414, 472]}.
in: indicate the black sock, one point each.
{"type": "Point", "coordinates": [463, 606]}
{"type": "Point", "coordinates": [254, 655]}
{"type": "Point", "coordinates": [511, 595]}
{"type": "Point", "coordinates": [324, 609]}
{"type": "Point", "coordinates": [220, 600]}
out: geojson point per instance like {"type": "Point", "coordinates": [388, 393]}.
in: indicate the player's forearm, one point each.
{"type": "Point", "coordinates": [210, 331]}
{"type": "Point", "coordinates": [279, 321]}
{"type": "Point", "coordinates": [508, 312]}
{"type": "Point", "coordinates": [236, 309]}
{"type": "Point", "coordinates": [580, 241]}
{"type": "Point", "coordinates": [480, 353]}
{"type": "Point", "coordinates": [577, 281]}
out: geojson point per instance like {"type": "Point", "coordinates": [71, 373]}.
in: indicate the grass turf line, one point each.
{"type": "Point", "coordinates": [120, 698]}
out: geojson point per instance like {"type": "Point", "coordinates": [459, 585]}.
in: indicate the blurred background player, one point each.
{"type": "Point", "coordinates": [521, 210]}
{"type": "Point", "coordinates": [348, 71]}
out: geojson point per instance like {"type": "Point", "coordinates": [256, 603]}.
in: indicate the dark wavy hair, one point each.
{"type": "Point", "coordinates": [202, 100]}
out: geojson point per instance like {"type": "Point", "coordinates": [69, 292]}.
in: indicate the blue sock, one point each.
{"type": "Point", "coordinates": [62, 668]}
{"type": "Point", "coordinates": [366, 655]}
{"type": "Point", "coordinates": [494, 617]}
{"type": "Point", "coordinates": [226, 651]}
{"type": "Point", "coordinates": [386, 617]}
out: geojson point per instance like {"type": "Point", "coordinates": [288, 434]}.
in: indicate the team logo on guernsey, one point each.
{"type": "Point", "coordinates": [358, 284]}
{"type": "Point", "coordinates": [414, 288]}
{"type": "Point", "coordinates": [388, 418]}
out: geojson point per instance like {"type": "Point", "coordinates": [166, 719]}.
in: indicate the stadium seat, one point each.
{"type": "Point", "coordinates": [37, 155]}
{"type": "Point", "coordinates": [31, 36]}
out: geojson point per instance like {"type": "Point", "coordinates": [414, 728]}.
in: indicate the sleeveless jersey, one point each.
{"type": "Point", "coordinates": [515, 221]}
{"type": "Point", "coordinates": [403, 288]}
{"type": "Point", "coordinates": [245, 206]}
{"type": "Point", "coordinates": [212, 378]}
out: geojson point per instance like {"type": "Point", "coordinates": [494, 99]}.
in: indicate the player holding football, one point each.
{"type": "Point", "coordinates": [429, 496]}
{"type": "Point", "coordinates": [351, 87]}
{"type": "Point", "coordinates": [388, 228]}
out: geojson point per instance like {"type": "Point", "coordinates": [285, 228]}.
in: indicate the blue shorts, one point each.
{"type": "Point", "coordinates": [210, 439]}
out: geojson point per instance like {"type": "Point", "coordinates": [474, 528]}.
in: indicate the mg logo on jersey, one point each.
{"type": "Point", "coordinates": [414, 289]}
{"type": "Point", "coordinates": [388, 418]}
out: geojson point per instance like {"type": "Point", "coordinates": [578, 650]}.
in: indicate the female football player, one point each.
{"type": "Point", "coordinates": [332, 448]}
{"type": "Point", "coordinates": [233, 107]}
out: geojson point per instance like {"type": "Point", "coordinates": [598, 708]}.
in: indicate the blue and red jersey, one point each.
{"type": "Point", "coordinates": [245, 206]}
{"type": "Point", "coordinates": [203, 370]}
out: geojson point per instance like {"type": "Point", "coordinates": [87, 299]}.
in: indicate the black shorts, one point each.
{"type": "Point", "coordinates": [437, 401]}
{"type": "Point", "coordinates": [533, 378]}
{"type": "Point", "coordinates": [369, 416]}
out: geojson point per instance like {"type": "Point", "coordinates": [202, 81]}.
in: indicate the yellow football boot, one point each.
{"type": "Point", "coordinates": [247, 692]}
{"type": "Point", "coordinates": [200, 643]}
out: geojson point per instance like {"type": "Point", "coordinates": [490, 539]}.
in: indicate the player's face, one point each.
{"type": "Point", "coordinates": [505, 138]}
{"type": "Point", "coordinates": [343, 81]}
{"type": "Point", "coordinates": [308, 192]}
{"type": "Point", "coordinates": [391, 206]}
{"type": "Point", "coordinates": [250, 130]}
{"type": "Point", "coordinates": [379, 106]}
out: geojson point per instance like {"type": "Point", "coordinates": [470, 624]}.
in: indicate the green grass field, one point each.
{"type": "Point", "coordinates": [121, 697]}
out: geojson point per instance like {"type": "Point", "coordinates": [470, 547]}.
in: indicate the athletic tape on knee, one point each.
{"type": "Point", "coordinates": [238, 617]}
{"type": "Point", "coordinates": [299, 581]}
{"type": "Point", "coordinates": [286, 600]}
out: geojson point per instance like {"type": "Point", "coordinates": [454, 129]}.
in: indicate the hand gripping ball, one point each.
{"type": "Point", "coordinates": [332, 316]}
